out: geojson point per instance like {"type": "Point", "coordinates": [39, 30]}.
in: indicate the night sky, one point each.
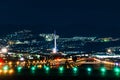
{"type": "Point", "coordinates": [67, 17]}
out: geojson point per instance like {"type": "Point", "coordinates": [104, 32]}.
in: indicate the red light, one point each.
{"type": "Point", "coordinates": [1, 60]}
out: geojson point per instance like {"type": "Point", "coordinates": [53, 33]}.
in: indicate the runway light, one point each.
{"type": "Point", "coordinates": [44, 66]}
{"type": "Point", "coordinates": [116, 69]}
{"type": "Point", "coordinates": [33, 68]}
{"type": "Point", "coordinates": [19, 68]}
{"type": "Point", "coordinates": [61, 68]}
{"type": "Point", "coordinates": [89, 69]}
{"type": "Point", "coordinates": [11, 71]}
{"type": "Point", "coordinates": [47, 68]}
{"type": "Point", "coordinates": [5, 68]}
{"type": "Point", "coordinates": [75, 69]}
{"type": "Point", "coordinates": [103, 69]}
{"type": "Point", "coordinates": [39, 66]}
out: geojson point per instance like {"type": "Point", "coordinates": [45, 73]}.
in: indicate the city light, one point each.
{"type": "Point", "coordinates": [22, 59]}
{"type": "Point", "coordinates": [116, 64]}
{"type": "Point", "coordinates": [17, 62]}
{"type": "Point", "coordinates": [54, 50]}
{"type": "Point", "coordinates": [10, 63]}
{"type": "Point", "coordinates": [109, 50]}
{"type": "Point", "coordinates": [4, 50]}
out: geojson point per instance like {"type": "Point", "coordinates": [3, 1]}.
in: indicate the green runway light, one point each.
{"type": "Point", "coordinates": [61, 68]}
{"type": "Point", "coordinates": [89, 69]}
{"type": "Point", "coordinates": [103, 69]}
{"type": "Point", "coordinates": [33, 68]}
{"type": "Point", "coordinates": [5, 68]}
{"type": "Point", "coordinates": [19, 68]}
{"type": "Point", "coordinates": [75, 69]}
{"type": "Point", "coordinates": [47, 68]}
{"type": "Point", "coordinates": [116, 69]}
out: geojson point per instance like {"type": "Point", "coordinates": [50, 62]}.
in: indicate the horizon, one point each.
{"type": "Point", "coordinates": [64, 32]}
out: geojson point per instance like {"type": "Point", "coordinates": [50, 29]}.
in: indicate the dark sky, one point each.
{"type": "Point", "coordinates": [67, 17]}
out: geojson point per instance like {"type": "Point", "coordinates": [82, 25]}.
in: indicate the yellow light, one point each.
{"type": "Point", "coordinates": [10, 63]}
{"type": "Point", "coordinates": [39, 66]}
{"type": "Point", "coordinates": [11, 71]}
{"type": "Point", "coordinates": [33, 62]}
{"type": "Point", "coordinates": [24, 62]}
{"type": "Point", "coordinates": [0, 63]}
{"type": "Point", "coordinates": [37, 61]}
{"type": "Point", "coordinates": [0, 71]}
{"type": "Point", "coordinates": [17, 62]}
{"type": "Point", "coordinates": [5, 71]}
{"type": "Point", "coordinates": [28, 66]}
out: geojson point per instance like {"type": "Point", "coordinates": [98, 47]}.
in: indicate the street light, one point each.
{"type": "Point", "coordinates": [109, 50]}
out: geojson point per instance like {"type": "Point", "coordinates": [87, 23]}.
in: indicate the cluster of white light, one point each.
{"type": "Point", "coordinates": [4, 50]}
{"type": "Point", "coordinates": [22, 59]}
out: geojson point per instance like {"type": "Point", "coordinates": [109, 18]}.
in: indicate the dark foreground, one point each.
{"type": "Point", "coordinates": [55, 74]}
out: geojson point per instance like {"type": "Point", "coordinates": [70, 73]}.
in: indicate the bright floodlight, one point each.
{"type": "Point", "coordinates": [4, 50]}
{"type": "Point", "coordinates": [54, 50]}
